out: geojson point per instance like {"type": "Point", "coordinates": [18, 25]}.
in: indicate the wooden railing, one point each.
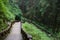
{"type": "Point", "coordinates": [5, 32]}
{"type": "Point", "coordinates": [25, 35]}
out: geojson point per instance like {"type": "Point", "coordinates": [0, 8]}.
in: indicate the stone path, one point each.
{"type": "Point", "coordinates": [15, 33]}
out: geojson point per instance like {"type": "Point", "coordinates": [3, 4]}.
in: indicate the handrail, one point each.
{"type": "Point", "coordinates": [25, 35]}
{"type": "Point", "coordinates": [6, 30]}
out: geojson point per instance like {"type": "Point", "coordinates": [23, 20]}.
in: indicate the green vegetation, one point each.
{"type": "Point", "coordinates": [36, 33]}
{"type": "Point", "coordinates": [46, 12]}
{"type": "Point", "coordinates": [3, 19]}
{"type": "Point", "coordinates": [8, 10]}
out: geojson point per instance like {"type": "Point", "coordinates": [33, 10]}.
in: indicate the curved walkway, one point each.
{"type": "Point", "coordinates": [15, 33]}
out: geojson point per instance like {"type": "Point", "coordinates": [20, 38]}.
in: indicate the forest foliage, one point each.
{"type": "Point", "coordinates": [8, 10]}
{"type": "Point", "coordinates": [44, 12]}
